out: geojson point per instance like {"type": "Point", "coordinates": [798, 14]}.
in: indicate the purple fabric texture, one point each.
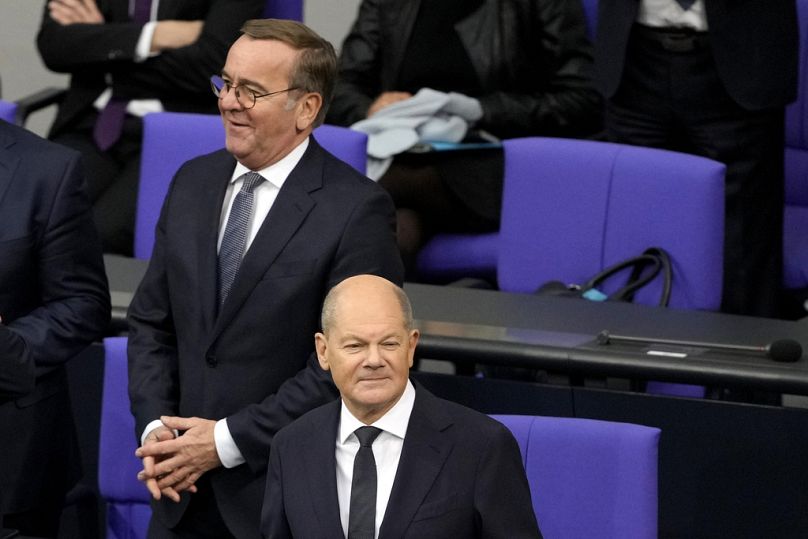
{"type": "Point", "coordinates": [284, 9]}
{"type": "Point", "coordinates": [589, 478]}
{"type": "Point", "coordinates": [171, 138]}
{"type": "Point", "coordinates": [795, 218]}
{"type": "Point", "coordinates": [7, 111]}
{"type": "Point", "coordinates": [128, 510]}
{"type": "Point", "coordinates": [452, 256]}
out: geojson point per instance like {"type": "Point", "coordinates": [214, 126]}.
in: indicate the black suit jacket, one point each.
{"type": "Point", "coordinates": [179, 78]}
{"type": "Point", "coordinates": [54, 301]}
{"type": "Point", "coordinates": [253, 361]}
{"type": "Point", "coordinates": [754, 43]}
{"type": "Point", "coordinates": [460, 475]}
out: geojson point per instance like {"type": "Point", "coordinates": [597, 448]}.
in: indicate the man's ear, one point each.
{"type": "Point", "coordinates": [308, 107]}
{"type": "Point", "coordinates": [321, 346]}
{"type": "Point", "coordinates": [413, 341]}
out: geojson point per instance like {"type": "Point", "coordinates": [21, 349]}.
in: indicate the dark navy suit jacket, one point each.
{"type": "Point", "coordinates": [460, 475]}
{"type": "Point", "coordinates": [54, 301]}
{"type": "Point", "coordinates": [251, 361]}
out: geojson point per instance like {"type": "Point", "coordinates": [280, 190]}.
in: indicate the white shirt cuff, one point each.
{"type": "Point", "coordinates": [150, 427]}
{"type": "Point", "coordinates": [226, 447]}
{"type": "Point", "coordinates": [143, 48]}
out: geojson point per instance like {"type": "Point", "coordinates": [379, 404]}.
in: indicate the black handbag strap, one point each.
{"type": "Point", "coordinates": [644, 269]}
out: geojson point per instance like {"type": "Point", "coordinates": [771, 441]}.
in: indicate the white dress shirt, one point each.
{"type": "Point", "coordinates": [386, 450]}
{"type": "Point", "coordinates": [265, 194]}
{"type": "Point", "coordinates": [669, 14]}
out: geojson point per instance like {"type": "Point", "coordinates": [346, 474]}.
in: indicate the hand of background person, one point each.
{"type": "Point", "coordinates": [75, 11]}
{"type": "Point", "coordinates": [175, 34]}
{"type": "Point", "coordinates": [385, 99]}
{"type": "Point", "coordinates": [181, 461]}
{"type": "Point", "coordinates": [148, 475]}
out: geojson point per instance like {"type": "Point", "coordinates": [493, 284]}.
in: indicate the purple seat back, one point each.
{"type": "Point", "coordinates": [172, 138]}
{"type": "Point", "coordinates": [284, 9]}
{"type": "Point", "coordinates": [795, 218]}
{"type": "Point", "coordinates": [127, 499]}
{"type": "Point", "coordinates": [573, 207]}
{"type": "Point", "coordinates": [589, 478]}
{"type": "Point", "coordinates": [7, 111]}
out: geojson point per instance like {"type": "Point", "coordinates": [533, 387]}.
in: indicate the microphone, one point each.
{"type": "Point", "coordinates": [784, 350]}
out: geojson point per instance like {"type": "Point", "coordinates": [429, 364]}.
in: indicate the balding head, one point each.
{"type": "Point", "coordinates": [364, 286]}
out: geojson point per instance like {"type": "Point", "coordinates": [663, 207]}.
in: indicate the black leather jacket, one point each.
{"type": "Point", "coordinates": [532, 58]}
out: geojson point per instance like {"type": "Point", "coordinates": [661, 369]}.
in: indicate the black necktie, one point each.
{"type": "Point", "coordinates": [362, 515]}
{"type": "Point", "coordinates": [685, 3]}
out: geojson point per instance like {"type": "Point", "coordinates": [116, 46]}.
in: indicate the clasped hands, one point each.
{"type": "Point", "coordinates": [172, 464]}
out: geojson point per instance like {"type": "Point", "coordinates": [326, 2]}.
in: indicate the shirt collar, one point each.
{"type": "Point", "coordinates": [276, 173]}
{"type": "Point", "coordinates": [395, 421]}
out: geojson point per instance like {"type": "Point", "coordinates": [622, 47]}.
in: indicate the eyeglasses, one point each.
{"type": "Point", "coordinates": [245, 96]}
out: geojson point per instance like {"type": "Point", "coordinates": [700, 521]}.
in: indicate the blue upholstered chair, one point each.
{"type": "Point", "coordinates": [128, 510]}
{"type": "Point", "coordinates": [284, 9]}
{"type": "Point", "coordinates": [171, 138]}
{"type": "Point", "coordinates": [589, 478]}
{"type": "Point", "coordinates": [795, 218]}
{"type": "Point", "coordinates": [8, 110]}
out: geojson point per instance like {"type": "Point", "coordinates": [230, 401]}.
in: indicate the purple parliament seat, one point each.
{"type": "Point", "coordinates": [589, 478]}
{"type": "Point", "coordinates": [171, 138]}
{"type": "Point", "coordinates": [128, 510]}
{"type": "Point", "coordinates": [795, 217]}
{"type": "Point", "coordinates": [8, 111]}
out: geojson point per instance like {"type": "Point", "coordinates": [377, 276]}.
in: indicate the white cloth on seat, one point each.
{"type": "Point", "coordinates": [427, 116]}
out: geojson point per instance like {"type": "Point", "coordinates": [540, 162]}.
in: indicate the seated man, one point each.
{"type": "Point", "coordinates": [443, 469]}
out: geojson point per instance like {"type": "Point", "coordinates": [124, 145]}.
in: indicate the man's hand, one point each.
{"type": "Point", "coordinates": [160, 434]}
{"type": "Point", "coordinates": [75, 11]}
{"type": "Point", "coordinates": [385, 99]}
{"type": "Point", "coordinates": [175, 34]}
{"type": "Point", "coordinates": [180, 462]}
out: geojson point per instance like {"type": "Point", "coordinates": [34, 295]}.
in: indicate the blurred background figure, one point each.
{"type": "Point", "coordinates": [54, 302]}
{"type": "Point", "coordinates": [711, 77]}
{"type": "Point", "coordinates": [128, 58]}
{"type": "Point", "coordinates": [525, 64]}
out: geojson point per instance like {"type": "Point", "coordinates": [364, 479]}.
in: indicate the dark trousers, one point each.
{"type": "Point", "coordinates": [201, 519]}
{"type": "Point", "coordinates": [675, 99]}
{"type": "Point", "coordinates": [112, 180]}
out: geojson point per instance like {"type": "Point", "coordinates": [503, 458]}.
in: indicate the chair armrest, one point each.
{"type": "Point", "coordinates": [37, 101]}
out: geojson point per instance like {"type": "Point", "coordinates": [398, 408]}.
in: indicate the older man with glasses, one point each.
{"type": "Point", "coordinates": [249, 241]}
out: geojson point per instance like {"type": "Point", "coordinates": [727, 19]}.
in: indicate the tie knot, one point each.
{"type": "Point", "coordinates": [251, 181]}
{"type": "Point", "coordinates": [366, 435]}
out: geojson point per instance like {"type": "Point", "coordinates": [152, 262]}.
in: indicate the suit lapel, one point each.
{"type": "Point", "coordinates": [207, 235]}
{"type": "Point", "coordinates": [320, 467]}
{"type": "Point", "coordinates": [426, 447]}
{"type": "Point", "coordinates": [8, 162]}
{"type": "Point", "coordinates": [290, 209]}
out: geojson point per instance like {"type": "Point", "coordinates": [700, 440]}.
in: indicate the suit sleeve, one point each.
{"type": "Point", "coordinates": [110, 47]}
{"type": "Point", "coordinates": [502, 494]}
{"type": "Point", "coordinates": [16, 366]}
{"type": "Point", "coordinates": [274, 524]}
{"type": "Point", "coordinates": [75, 305]}
{"type": "Point", "coordinates": [152, 347]}
{"type": "Point", "coordinates": [367, 246]}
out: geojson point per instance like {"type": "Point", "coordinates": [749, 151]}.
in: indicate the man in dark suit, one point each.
{"type": "Point", "coordinates": [711, 77]}
{"type": "Point", "coordinates": [54, 301]}
{"type": "Point", "coordinates": [228, 345]}
{"type": "Point", "coordinates": [430, 468]}
{"type": "Point", "coordinates": [139, 55]}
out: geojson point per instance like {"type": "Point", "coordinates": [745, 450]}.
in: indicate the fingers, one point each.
{"type": "Point", "coordinates": [75, 11]}
{"type": "Point", "coordinates": [147, 477]}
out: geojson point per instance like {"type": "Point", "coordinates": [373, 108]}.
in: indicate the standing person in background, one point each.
{"type": "Point", "coordinates": [526, 64]}
{"type": "Point", "coordinates": [54, 301]}
{"type": "Point", "coordinates": [127, 58]}
{"type": "Point", "coordinates": [711, 77]}
{"type": "Point", "coordinates": [249, 241]}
